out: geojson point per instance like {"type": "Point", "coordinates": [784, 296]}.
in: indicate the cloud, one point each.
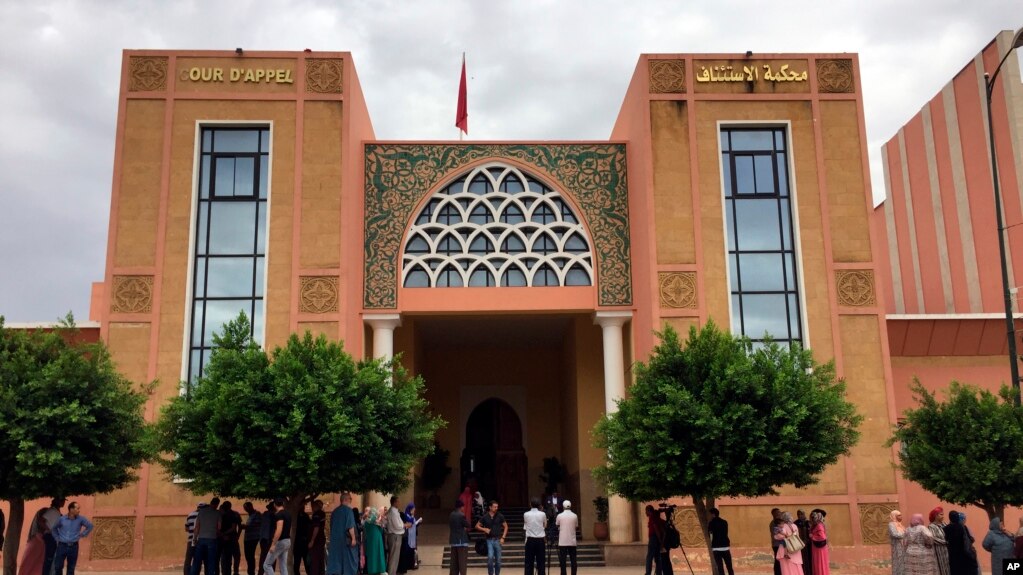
{"type": "Point", "coordinates": [539, 70]}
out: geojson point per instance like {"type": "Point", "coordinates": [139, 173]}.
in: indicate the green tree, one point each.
{"type": "Point", "coordinates": [304, 420]}
{"type": "Point", "coordinates": [967, 450]}
{"type": "Point", "coordinates": [63, 409]}
{"type": "Point", "coordinates": [722, 418]}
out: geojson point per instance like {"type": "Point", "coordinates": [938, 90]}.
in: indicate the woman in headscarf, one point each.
{"type": "Point", "coordinates": [920, 559]}
{"type": "Point", "coordinates": [407, 560]}
{"type": "Point", "coordinates": [819, 542]}
{"type": "Point", "coordinates": [803, 524]}
{"type": "Point", "coordinates": [32, 560]}
{"type": "Point", "coordinates": [937, 529]}
{"type": "Point", "coordinates": [466, 498]}
{"type": "Point", "coordinates": [962, 557]}
{"type": "Point", "coordinates": [897, 537]}
{"type": "Point", "coordinates": [373, 542]}
{"type": "Point", "coordinates": [791, 564]}
{"type": "Point", "coordinates": [1000, 544]}
{"type": "Point", "coordinates": [479, 506]}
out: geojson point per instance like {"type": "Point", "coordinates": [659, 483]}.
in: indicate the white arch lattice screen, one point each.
{"type": "Point", "coordinates": [496, 226]}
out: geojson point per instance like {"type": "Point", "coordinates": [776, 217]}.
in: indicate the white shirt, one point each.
{"type": "Point", "coordinates": [534, 521]}
{"type": "Point", "coordinates": [395, 525]}
{"type": "Point", "coordinates": [567, 523]}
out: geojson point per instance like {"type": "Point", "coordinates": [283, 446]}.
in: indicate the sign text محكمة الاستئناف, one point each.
{"type": "Point", "coordinates": [752, 73]}
{"type": "Point", "coordinates": [245, 75]}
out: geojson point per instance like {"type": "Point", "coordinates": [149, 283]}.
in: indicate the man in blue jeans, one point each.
{"type": "Point", "coordinates": [67, 532]}
{"type": "Point", "coordinates": [493, 524]}
{"type": "Point", "coordinates": [207, 529]}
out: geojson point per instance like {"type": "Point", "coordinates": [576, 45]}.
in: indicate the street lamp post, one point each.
{"type": "Point", "coordinates": [1010, 324]}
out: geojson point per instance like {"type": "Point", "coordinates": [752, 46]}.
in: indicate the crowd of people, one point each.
{"type": "Point", "coordinates": [53, 539]}
{"type": "Point", "coordinates": [552, 522]}
{"type": "Point", "coordinates": [947, 548]}
{"type": "Point", "coordinates": [372, 542]}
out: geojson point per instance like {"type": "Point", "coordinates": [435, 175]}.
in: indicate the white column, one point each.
{"type": "Point", "coordinates": [383, 325]}
{"type": "Point", "coordinates": [611, 322]}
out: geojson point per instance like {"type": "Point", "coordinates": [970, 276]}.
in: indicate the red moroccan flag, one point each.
{"type": "Point", "coordinates": [462, 113]}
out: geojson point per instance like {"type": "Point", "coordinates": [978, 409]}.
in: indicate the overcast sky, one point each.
{"type": "Point", "coordinates": [538, 70]}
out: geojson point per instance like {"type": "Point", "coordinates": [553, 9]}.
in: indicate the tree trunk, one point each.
{"type": "Point", "coordinates": [12, 543]}
{"type": "Point", "coordinates": [294, 505]}
{"type": "Point", "coordinates": [703, 507]}
{"type": "Point", "coordinates": [994, 510]}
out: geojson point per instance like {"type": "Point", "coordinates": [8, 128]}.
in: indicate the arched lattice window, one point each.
{"type": "Point", "coordinates": [496, 227]}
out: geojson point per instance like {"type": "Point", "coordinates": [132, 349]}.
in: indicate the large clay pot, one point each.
{"type": "Point", "coordinates": [600, 531]}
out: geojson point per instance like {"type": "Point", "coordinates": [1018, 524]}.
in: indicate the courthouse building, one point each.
{"type": "Point", "coordinates": [520, 279]}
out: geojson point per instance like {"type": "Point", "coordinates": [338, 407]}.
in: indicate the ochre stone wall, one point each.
{"type": "Point", "coordinates": [139, 201]}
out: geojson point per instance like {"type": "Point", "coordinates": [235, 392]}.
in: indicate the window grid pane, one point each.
{"type": "Point", "coordinates": [230, 238]}
{"type": "Point", "coordinates": [761, 255]}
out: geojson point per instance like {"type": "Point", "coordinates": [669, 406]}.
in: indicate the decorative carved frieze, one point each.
{"type": "Point", "coordinates": [132, 294]}
{"type": "Point", "coordinates": [147, 74]}
{"type": "Point", "coordinates": [318, 294]}
{"type": "Point", "coordinates": [855, 288]}
{"type": "Point", "coordinates": [689, 530]}
{"type": "Point", "coordinates": [835, 76]}
{"type": "Point", "coordinates": [678, 289]}
{"type": "Point", "coordinates": [113, 538]}
{"type": "Point", "coordinates": [323, 76]}
{"type": "Point", "coordinates": [667, 76]}
{"type": "Point", "coordinates": [874, 518]}
{"type": "Point", "coordinates": [399, 176]}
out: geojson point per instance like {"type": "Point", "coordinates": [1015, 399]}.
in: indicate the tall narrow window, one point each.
{"type": "Point", "coordinates": [230, 236]}
{"type": "Point", "coordinates": [761, 251]}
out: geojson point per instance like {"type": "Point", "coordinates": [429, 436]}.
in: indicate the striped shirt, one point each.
{"type": "Point", "coordinates": [190, 524]}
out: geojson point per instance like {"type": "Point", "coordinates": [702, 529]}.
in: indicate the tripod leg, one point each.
{"type": "Point", "coordinates": [690, 564]}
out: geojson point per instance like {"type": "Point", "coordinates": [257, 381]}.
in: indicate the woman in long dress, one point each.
{"type": "Point", "coordinates": [373, 542]}
{"type": "Point", "coordinates": [819, 542]}
{"type": "Point", "coordinates": [803, 524]}
{"type": "Point", "coordinates": [791, 564]}
{"type": "Point", "coordinates": [962, 557]}
{"type": "Point", "coordinates": [35, 550]}
{"type": "Point", "coordinates": [937, 529]}
{"type": "Point", "coordinates": [920, 559]}
{"type": "Point", "coordinates": [1000, 544]}
{"type": "Point", "coordinates": [897, 537]}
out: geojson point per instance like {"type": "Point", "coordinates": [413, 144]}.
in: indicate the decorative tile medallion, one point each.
{"type": "Point", "coordinates": [874, 518]}
{"type": "Point", "coordinates": [835, 76]}
{"type": "Point", "coordinates": [855, 288]}
{"type": "Point", "coordinates": [689, 530]}
{"type": "Point", "coordinates": [113, 538]}
{"type": "Point", "coordinates": [678, 289]}
{"type": "Point", "coordinates": [319, 294]}
{"type": "Point", "coordinates": [398, 176]}
{"type": "Point", "coordinates": [147, 74]}
{"type": "Point", "coordinates": [667, 76]}
{"type": "Point", "coordinates": [323, 76]}
{"type": "Point", "coordinates": [132, 294]}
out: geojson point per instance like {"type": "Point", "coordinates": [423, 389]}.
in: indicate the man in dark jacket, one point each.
{"type": "Point", "coordinates": [719, 542]}
{"type": "Point", "coordinates": [458, 539]}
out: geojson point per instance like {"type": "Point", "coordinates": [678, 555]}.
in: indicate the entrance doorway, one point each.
{"type": "Point", "coordinates": [494, 458]}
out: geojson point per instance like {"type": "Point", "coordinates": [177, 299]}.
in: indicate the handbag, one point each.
{"type": "Point", "coordinates": [820, 543]}
{"type": "Point", "coordinates": [793, 544]}
{"type": "Point", "coordinates": [481, 547]}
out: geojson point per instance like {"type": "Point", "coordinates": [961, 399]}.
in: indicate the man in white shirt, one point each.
{"type": "Point", "coordinates": [394, 528]}
{"type": "Point", "coordinates": [535, 522]}
{"type": "Point", "coordinates": [567, 523]}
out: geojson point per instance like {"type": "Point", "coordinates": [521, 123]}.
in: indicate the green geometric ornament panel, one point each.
{"type": "Point", "coordinates": [398, 176]}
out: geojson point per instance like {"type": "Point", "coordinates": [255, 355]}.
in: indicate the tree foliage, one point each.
{"type": "Point", "coordinates": [70, 424]}
{"type": "Point", "coordinates": [967, 450]}
{"type": "Point", "coordinates": [721, 418]}
{"type": "Point", "coordinates": [303, 420]}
